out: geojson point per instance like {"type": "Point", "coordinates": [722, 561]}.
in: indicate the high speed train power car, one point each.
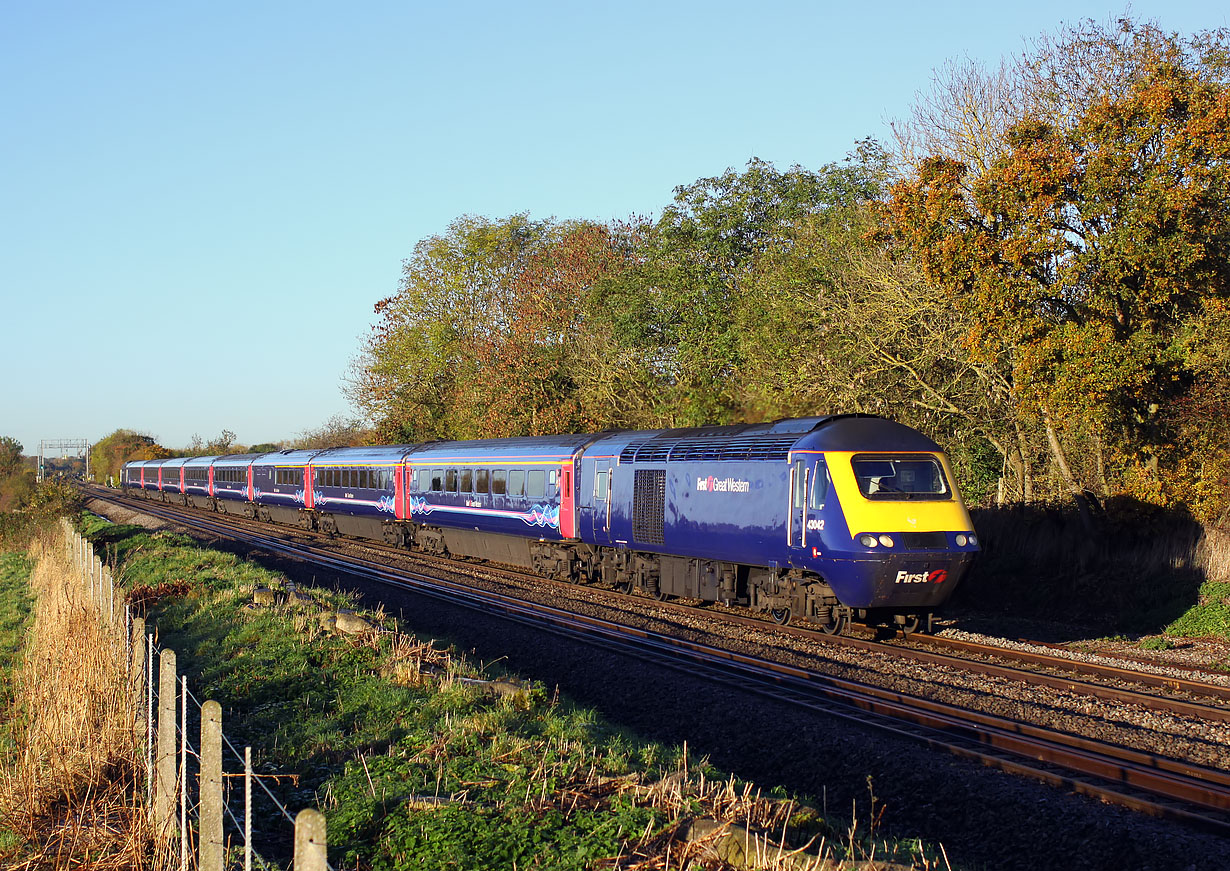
{"type": "Point", "coordinates": [831, 519]}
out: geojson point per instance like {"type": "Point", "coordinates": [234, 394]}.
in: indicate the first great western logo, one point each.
{"type": "Point", "coordinates": [722, 485]}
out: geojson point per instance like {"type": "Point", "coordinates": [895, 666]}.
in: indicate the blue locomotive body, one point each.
{"type": "Point", "coordinates": [829, 518]}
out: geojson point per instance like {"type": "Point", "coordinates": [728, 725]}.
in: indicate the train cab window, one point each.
{"type": "Point", "coordinates": [499, 482]}
{"type": "Point", "coordinates": [798, 483]}
{"type": "Point", "coordinates": [900, 477]}
{"type": "Point", "coordinates": [819, 485]}
{"type": "Point", "coordinates": [601, 479]}
{"type": "Point", "coordinates": [536, 484]}
{"type": "Point", "coordinates": [467, 480]}
{"type": "Point", "coordinates": [480, 481]}
{"type": "Point", "coordinates": [516, 482]}
{"type": "Point", "coordinates": [450, 481]}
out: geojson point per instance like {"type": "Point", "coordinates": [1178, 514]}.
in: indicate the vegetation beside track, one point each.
{"type": "Point", "coordinates": [416, 760]}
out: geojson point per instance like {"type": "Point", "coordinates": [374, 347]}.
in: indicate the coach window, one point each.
{"type": "Point", "coordinates": [365, 479]}
{"type": "Point", "coordinates": [467, 480]}
{"type": "Point", "coordinates": [552, 477]}
{"type": "Point", "coordinates": [536, 484]}
{"type": "Point", "coordinates": [480, 481]}
{"type": "Point", "coordinates": [499, 482]}
{"type": "Point", "coordinates": [516, 482]}
{"type": "Point", "coordinates": [437, 480]}
{"type": "Point", "coordinates": [450, 480]}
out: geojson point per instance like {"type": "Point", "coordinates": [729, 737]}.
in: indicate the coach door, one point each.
{"type": "Point", "coordinates": [598, 500]}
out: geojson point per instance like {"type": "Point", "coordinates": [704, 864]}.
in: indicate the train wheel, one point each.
{"type": "Point", "coordinates": [836, 625]}
{"type": "Point", "coordinates": [781, 616]}
{"type": "Point", "coordinates": [910, 626]}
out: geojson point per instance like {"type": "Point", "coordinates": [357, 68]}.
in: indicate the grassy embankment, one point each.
{"type": "Point", "coordinates": [1144, 572]}
{"type": "Point", "coordinates": [417, 762]}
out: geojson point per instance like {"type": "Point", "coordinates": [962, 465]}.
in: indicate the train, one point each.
{"type": "Point", "coordinates": [833, 519]}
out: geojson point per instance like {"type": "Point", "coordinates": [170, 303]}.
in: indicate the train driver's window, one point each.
{"type": "Point", "coordinates": [437, 480]}
{"type": "Point", "coordinates": [499, 482]}
{"type": "Point", "coordinates": [536, 484]}
{"type": "Point", "coordinates": [467, 480]}
{"type": "Point", "coordinates": [516, 482]}
{"type": "Point", "coordinates": [480, 481]}
{"type": "Point", "coordinates": [819, 485]}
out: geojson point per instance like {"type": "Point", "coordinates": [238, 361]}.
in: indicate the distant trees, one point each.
{"type": "Point", "coordinates": [110, 453]}
{"type": "Point", "coordinates": [16, 477]}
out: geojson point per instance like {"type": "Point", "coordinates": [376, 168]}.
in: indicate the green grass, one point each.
{"type": "Point", "coordinates": [1210, 616]}
{"type": "Point", "coordinates": [358, 728]}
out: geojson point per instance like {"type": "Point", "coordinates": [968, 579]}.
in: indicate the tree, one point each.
{"type": "Point", "coordinates": [10, 456]}
{"type": "Point", "coordinates": [417, 371]}
{"type": "Point", "coordinates": [110, 453]}
{"type": "Point", "coordinates": [1089, 241]}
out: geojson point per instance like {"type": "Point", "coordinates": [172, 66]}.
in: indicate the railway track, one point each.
{"type": "Point", "coordinates": [1148, 783]}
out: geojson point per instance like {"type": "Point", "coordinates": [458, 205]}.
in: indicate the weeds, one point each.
{"type": "Point", "coordinates": [67, 789]}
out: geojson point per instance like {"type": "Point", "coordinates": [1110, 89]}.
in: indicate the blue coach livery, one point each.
{"type": "Point", "coordinates": [832, 519]}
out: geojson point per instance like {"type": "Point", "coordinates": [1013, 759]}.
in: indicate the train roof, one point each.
{"type": "Point", "coordinates": [288, 457]}
{"type": "Point", "coordinates": [500, 450]}
{"type": "Point", "coordinates": [364, 455]}
{"type": "Point", "coordinates": [244, 460]}
{"type": "Point", "coordinates": [864, 432]}
{"type": "Point", "coordinates": [763, 441]}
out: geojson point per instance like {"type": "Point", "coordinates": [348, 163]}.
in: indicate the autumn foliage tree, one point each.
{"type": "Point", "coordinates": [1089, 248]}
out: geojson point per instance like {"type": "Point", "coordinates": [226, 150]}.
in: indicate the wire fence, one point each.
{"type": "Point", "coordinates": [202, 831]}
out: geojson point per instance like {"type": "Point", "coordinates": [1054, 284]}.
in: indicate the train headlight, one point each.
{"type": "Point", "coordinates": [886, 540]}
{"type": "Point", "coordinates": [962, 539]}
{"type": "Point", "coordinates": [867, 540]}
{"type": "Point", "coordinates": [973, 539]}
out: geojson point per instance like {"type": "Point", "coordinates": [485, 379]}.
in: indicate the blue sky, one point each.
{"type": "Point", "coordinates": [259, 170]}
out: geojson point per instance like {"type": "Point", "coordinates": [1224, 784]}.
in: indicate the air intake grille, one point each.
{"type": "Point", "coordinates": [648, 505]}
{"type": "Point", "coordinates": [708, 449]}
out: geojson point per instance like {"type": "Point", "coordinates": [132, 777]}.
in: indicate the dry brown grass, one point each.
{"type": "Point", "coordinates": [70, 792]}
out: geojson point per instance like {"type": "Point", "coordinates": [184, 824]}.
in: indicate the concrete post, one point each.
{"type": "Point", "coordinates": [136, 676]}
{"type": "Point", "coordinates": [166, 781]}
{"type": "Point", "coordinates": [211, 843]}
{"type": "Point", "coordinates": [311, 842]}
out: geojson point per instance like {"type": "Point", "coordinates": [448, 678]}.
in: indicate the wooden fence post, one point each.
{"type": "Point", "coordinates": [165, 762]}
{"type": "Point", "coordinates": [210, 838]}
{"type": "Point", "coordinates": [311, 841]}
